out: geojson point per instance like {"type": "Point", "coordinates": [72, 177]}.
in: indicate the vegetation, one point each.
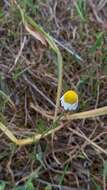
{"type": "Point", "coordinates": [46, 48]}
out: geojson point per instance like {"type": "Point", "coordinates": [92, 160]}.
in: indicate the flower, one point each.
{"type": "Point", "coordinates": [69, 100]}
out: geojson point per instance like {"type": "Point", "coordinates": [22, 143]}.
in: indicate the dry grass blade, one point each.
{"type": "Point", "coordinates": [8, 133]}
{"type": "Point", "coordinates": [25, 141]}
{"type": "Point", "coordinates": [35, 34]}
{"type": "Point", "coordinates": [75, 116]}
{"type": "Point", "coordinates": [41, 111]}
{"type": "Point", "coordinates": [86, 114]}
{"type": "Point", "coordinates": [29, 21]}
{"type": "Point", "coordinates": [71, 51]}
{"type": "Point", "coordinates": [98, 148]}
{"type": "Point", "coordinates": [36, 137]}
{"type": "Point", "coordinates": [39, 91]}
{"type": "Point", "coordinates": [19, 55]}
{"type": "Point", "coordinates": [41, 144]}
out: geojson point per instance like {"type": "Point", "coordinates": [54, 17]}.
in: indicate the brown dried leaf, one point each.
{"type": "Point", "coordinates": [36, 34]}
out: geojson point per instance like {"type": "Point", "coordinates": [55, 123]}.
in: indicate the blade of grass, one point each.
{"type": "Point", "coordinates": [97, 187]}
{"type": "Point", "coordinates": [80, 7]}
{"type": "Point", "coordinates": [98, 42]}
{"type": "Point", "coordinates": [75, 116]}
{"type": "Point", "coordinates": [7, 99]}
{"type": "Point", "coordinates": [29, 21]}
{"type": "Point", "coordinates": [71, 51]}
{"type": "Point", "coordinates": [63, 174]}
{"type": "Point", "coordinates": [95, 146]}
{"type": "Point", "coordinates": [59, 60]}
{"type": "Point", "coordinates": [37, 137]}
{"type": "Point", "coordinates": [86, 114]}
{"type": "Point", "coordinates": [28, 140]}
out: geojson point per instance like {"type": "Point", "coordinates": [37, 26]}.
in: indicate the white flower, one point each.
{"type": "Point", "coordinates": [69, 100]}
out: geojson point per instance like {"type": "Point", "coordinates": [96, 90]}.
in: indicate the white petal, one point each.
{"type": "Point", "coordinates": [68, 106]}
{"type": "Point", "coordinates": [73, 106]}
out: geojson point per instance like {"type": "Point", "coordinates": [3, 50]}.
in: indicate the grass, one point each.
{"type": "Point", "coordinates": [62, 177]}
{"type": "Point", "coordinates": [81, 9]}
{"type": "Point", "coordinates": [41, 146]}
{"type": "Point", "coordinates": [27, 21]}
{"type": "Point", "coordinates": [7, 99]}
{"type": "Point", "coordinates": [98, 43]}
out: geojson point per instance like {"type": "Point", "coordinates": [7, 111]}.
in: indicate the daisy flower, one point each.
{"type": "Point", "coordinates": [69, 100]}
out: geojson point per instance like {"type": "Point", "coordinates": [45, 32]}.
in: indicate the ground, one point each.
{"type": "Point", "coordinates": [73, 155]}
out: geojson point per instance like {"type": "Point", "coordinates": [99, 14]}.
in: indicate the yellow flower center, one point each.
{"type": "Point", "coordinates": [70, 97]}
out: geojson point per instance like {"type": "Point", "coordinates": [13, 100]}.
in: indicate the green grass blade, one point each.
{"type": "Point", "coordinates": [98, 42]}
{"type": "Point", "coordinates": [63, 174]}
{"type": "Point", "coordinates": [52, 44]}
{"type": "Point", "coordinates": [7, 99]}
{"type": "Point", "coordinates": [80, 7]}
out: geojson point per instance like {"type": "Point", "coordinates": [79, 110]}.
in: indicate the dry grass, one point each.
{"type": "Point", "coordinates": [30, 86]}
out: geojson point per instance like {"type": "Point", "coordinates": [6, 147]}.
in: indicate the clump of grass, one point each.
{"type": "Point", "coordinates": [27, 21]}
{"type": "Point", "coordinates": [80, 138]}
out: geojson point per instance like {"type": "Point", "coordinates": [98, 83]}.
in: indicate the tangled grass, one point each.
{"type": "Point", "coordinates": [60, 150]}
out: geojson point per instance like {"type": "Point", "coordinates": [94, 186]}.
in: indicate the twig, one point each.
{"type": "Point", "coordinates": [60, 187]}
{"type": "Point", "coordinates": [37, 90]}
{"type": "Point", "coordinates": [41, 111]}
{"type": "Point", "coordinates": [95, 12]}
{"type": "Point", "coordinates": [98, 148]}
{"type": "Point", "coordinates": [26, 110]}
{"type": "Point", "coordinates": [19, 54]}
{"type": "Point", "coordinates": [9, 167]}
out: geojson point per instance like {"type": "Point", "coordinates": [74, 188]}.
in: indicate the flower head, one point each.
{"type": "Point", "coordinates": [69, 100]}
